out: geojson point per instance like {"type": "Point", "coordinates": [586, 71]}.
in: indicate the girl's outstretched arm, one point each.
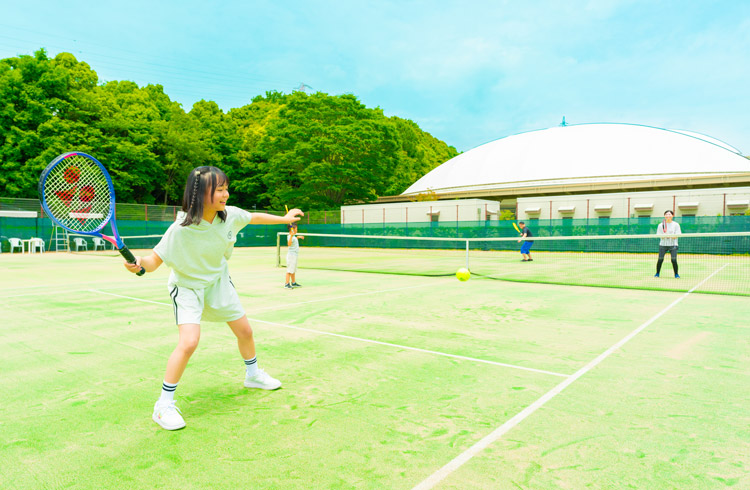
{"type": "Point", "coordinates": [292, 216]}
{"type": "Point", "coordinates": [150, 263]}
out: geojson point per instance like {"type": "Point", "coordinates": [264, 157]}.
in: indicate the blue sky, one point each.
{"type": "Point", "coordinates": [467, 72]}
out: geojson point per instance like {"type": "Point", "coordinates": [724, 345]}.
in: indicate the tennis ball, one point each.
{"type": "Point", "coordinates": [463, 274]}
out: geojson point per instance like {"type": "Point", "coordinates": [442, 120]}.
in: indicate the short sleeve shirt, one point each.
{"type": "Point", "coordinates": [528, 234]}
{"type": "Point", "coordinates": [665, 228]}
{"type": "Point", "coordinates": [198, 254]}
{"type": "Point", "coordinates": [293, 245]}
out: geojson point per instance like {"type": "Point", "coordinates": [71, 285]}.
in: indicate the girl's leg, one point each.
{"type": "Point", "coordinates": [166, 414]}
{"type": "Point", "coordinates": [254, 376]}
{"type": "Point", "coordinates": [190, 334]}
{"type": "Point", "coordinates": [244, 334]}
{"type": "Point", "coordinates": [293, 277]}
{"type": "Point", "coordinates": [660, 261]}
{"type": "Point", "coordinates": [288, 276]}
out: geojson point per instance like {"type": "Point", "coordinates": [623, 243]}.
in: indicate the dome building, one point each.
{"type": "Point", "coordinates": [585, 158]}
{"type": "Point", "coordinates": [550, 173]}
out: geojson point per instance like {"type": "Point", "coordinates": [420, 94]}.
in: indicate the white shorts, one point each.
{"type": "Point", "coordinates": [218, 302]}
{"type": "Point", "coordinates": [291, 263]}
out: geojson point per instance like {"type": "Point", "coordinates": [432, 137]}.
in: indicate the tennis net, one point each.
{"type": "Point", "coordinates": [708, 262]}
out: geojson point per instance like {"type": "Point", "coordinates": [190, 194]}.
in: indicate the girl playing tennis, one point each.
{"type": "Point", "coordinates": [196, 247]}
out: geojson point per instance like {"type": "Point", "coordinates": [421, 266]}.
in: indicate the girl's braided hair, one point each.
{"type": "Point", "coordinates": [198, 182]}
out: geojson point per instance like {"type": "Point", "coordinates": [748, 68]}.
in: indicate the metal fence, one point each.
{"type": "Point", "coordinates": [156, 212]}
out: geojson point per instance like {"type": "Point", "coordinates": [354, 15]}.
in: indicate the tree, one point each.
{"type": "Point", "coordinates": [325, 151]}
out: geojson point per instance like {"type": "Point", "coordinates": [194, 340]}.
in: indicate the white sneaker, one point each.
{"type": "Point", "coordinates": [168, 415]}
{"type": "Point", "coordinates": [262, 380]}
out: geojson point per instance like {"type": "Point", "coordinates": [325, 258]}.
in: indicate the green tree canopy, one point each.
{"type": "Point", "coordinates": [313, 151]}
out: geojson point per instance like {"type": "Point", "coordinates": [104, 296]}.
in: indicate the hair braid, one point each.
{"type": "Point", "coordinates": [196, 183]}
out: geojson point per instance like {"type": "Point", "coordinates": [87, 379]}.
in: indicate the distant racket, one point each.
{"type": "Point", "coordinates": [516, 227]}
{"type": "Point", "coordinates": [287, 208]}
{"type": "Point", "coordinates": [77, 193]}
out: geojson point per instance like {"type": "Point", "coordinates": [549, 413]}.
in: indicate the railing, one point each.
{"type": "Point", "coordinates": [155, 212]}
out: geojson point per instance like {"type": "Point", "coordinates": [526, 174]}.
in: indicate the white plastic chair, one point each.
{"type": "Point", "coordinates": [99, 242]}
{"type": "Point", "coordinates": [80, 243]}
{"type": "Point", "coordinates": [36, 245]}
{"type": "Point", "coordinates": [15, 243]}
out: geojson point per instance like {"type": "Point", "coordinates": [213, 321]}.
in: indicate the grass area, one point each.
{"type": "Point", "coordinates": [386, 379]}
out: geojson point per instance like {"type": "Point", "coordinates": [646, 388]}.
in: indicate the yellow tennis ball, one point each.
{"type": "Point", "coordinates": [463, 274]}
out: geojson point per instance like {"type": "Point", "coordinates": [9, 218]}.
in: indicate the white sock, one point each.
{"type": "Point", "coordinates": [167, 392]}
{"type": "Point", "coordinates": [251, 366]}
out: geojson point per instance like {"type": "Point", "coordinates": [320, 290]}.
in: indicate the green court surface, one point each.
{"type": "Point", "coordinates": [389, 382]}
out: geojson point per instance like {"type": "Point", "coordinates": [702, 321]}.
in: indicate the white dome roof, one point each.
{"type": "Point", "coordinates": [583, 153]}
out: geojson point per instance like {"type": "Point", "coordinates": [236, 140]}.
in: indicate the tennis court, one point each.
{"type": "Point", "coordinates": [389, 381]}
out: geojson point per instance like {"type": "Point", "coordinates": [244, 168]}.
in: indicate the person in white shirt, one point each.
{"type": "Point", "coordinates": [292, 255]}
{"type": "Point", "coordinates": [669, 242]}
{"type": "Point", "coordinates": [196, 247]}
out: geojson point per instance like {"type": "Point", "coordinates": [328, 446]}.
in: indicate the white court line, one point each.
{"type": "Point", "coordinates": [130, 297]}
{"type": "Point", "coordinates": [286, 305]}
{"type": "Point", "coordinates": [360, 339]}
{"type": "Point", "coordinates": [493, 436]}
{"type": "Point", "coordinates": [455, 356]}
{"type": "Point", "coordinates": [46, 290]}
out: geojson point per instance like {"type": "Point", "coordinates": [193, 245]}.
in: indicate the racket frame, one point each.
{"type": "Point", "coordinates": [115, 240]}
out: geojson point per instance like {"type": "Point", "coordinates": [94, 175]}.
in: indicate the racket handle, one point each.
{"type": "Point", "coordinates": [125, 252]}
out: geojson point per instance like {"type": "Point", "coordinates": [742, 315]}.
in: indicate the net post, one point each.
{"type": "Point", "coordinates": [278, 249]}
{"type": "Point", "coordinates": [467, 255]}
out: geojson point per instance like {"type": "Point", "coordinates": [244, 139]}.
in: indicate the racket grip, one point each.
{"type": "Point", "coordinates": [125, 252]}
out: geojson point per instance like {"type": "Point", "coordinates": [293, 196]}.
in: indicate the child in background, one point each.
{"type": "Point", "coordinates": [196, 247]}
{"type": "Point", "coordinates": [292, 255]}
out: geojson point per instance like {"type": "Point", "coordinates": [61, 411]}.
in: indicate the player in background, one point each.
{"type": "Point", "coordinates": [668, 227]}
{"type": "Point", "coordinates": [526, 247]}
{"type": "Point", "coordinates": [292, 255]}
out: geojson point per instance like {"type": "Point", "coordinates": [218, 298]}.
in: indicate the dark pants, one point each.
{"type": "Point", "coordinates": [673, 255]}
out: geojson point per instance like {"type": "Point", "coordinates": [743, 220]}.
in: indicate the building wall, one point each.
{"type": "Point", "coordinates": [415, 212]}
{"type": "Point", "coordinates": [692, 202]}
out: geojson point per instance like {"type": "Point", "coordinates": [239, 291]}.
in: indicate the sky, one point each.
{"type": "Point", "coordinates": [468, 72]}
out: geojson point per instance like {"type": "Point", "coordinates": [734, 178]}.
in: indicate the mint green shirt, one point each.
{"type": "Point", "coordinates": [198, 254]}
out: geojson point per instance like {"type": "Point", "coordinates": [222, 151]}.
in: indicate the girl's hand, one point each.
{"type": "Point", "coordinates": [293, 216]}
{"type": "Point", "coordinates": [133, 267]}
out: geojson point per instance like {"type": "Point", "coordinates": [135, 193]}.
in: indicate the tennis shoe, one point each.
{"type": "Point", "coordinates": [531, 260]}
{"type": "Point", "coordinates": [262, 380]}
{"type": "Point", "coordinates": [168, 415]}
{"type": "Point", "coordinates": [288, 286]}
{"type": "Point", "coordinates": [676, 276]}
{"type": "Point", "coordinates": [656, 275]}
{"type": "Point", "coordinates": [296, 285]}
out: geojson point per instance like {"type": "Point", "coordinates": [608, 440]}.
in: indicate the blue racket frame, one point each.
{"type": "Point", "coordinates": [111, 216]}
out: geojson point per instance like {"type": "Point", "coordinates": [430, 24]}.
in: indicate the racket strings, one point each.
{"type": "Point", "coordinates": [77, 194]}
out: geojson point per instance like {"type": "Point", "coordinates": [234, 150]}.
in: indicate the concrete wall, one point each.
{"type": "Point", "coordinates": [415, 212]}
{"type": "Point", "coordinates": [692, 202]}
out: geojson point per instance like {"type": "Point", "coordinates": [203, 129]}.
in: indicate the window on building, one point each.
{"type": "Point", "coordinates": [688, 218]}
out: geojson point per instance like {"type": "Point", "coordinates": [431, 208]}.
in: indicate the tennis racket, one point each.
{"type": "Point", "coordinates": [516, 227]}
{"type": "Point", "coordinates": [77, 194]}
